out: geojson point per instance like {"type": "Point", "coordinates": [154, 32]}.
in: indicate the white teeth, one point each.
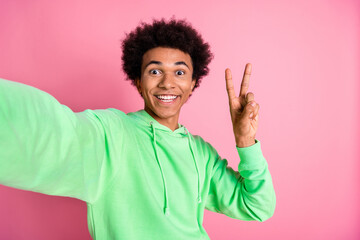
{"type": "Point", "coordinates": [166, 98]}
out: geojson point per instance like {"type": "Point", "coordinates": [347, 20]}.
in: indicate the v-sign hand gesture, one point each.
{"type": "Point", "coordinates": [243, 109]}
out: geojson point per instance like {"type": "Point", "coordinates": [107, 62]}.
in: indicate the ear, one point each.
{"type": "Point", "coordinates": [193, 82]}
{"type": "Point", "coordinates": [138, 85]}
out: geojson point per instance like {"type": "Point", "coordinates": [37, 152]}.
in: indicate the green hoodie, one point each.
{"type": "Point", "coordinates": [140, 180]}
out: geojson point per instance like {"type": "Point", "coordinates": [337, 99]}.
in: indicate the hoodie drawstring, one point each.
{"type": "Point", "coordinates": [166, 205]}
{"type": "Point", "coordinates": [196, 166]}
{"type": "Point", "coordinates": [166, 209]}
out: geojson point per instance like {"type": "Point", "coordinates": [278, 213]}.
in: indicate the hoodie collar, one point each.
{"type": "Point", "coordinates": [147, 119]}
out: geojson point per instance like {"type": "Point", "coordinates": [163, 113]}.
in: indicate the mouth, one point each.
{"type": "Point", "coordinates": [167, 98]}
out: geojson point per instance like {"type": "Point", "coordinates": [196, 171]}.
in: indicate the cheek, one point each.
{"type": "Point", "coordinates": [186, 85]}
{"type": "Point", "coordinates": [145, 85]}
{"type": "Point", "coordinates": [188, 88]}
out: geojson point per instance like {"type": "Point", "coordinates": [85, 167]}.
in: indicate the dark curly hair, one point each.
{"type": "Point", "coordinates": [177, 34]}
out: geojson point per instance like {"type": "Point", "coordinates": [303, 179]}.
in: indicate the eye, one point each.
{"type": "Point", "coordinates": [155, 72]}
{"type": "Point", "coordinates": [180, 72]}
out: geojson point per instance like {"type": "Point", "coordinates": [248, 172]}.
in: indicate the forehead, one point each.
{"type": "Point", "coordinates": [167, 56]}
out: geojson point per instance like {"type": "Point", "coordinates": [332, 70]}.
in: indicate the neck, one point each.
{"type": "Point", "coordinates": [171, 122]}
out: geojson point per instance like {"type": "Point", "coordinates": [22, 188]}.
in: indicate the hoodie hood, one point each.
{"type": "Point", "coordinates": [144, 118]}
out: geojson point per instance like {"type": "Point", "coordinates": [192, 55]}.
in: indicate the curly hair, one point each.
{"type": "Point", "coordinates": [177, 34]}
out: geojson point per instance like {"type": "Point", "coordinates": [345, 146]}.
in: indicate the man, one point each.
{"type": "Point", "coordinates": [142, 174]}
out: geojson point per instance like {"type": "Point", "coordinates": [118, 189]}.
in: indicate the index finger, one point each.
{"type": "Point", "coordinates": [246, 79]}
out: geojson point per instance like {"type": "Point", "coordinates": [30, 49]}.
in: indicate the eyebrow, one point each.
{"type": "Point", "coordinates": [160, 63]}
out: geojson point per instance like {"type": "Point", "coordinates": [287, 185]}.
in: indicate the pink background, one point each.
{"type": "Point", "coordinates": [305, 57]}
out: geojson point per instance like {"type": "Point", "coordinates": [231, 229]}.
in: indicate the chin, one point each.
{"type": "Point", "coordinates": [165, 114]}
{"type": "Point", "coordinates": [163, 111]}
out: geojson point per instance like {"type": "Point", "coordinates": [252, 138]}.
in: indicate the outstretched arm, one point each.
{"type": "Point", "coordinates": [47, 148]}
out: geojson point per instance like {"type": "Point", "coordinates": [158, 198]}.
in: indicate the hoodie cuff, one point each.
{"type": "Point", "coordinates": [251, 157]}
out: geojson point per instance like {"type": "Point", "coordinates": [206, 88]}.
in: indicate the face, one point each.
{"type": "Point", "coordinates": [166, 82]}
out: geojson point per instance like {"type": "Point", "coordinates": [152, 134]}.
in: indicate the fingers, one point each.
{"type": "Point", "coordinates": [246, 99]}
{"type": "Point", "coordinates": [246, 79]}
{"type": "Point", "coordinates": [256, 112]}
{"type": "Point", "coordinates": [249, 97]}
{"type": "Point", "coordinates": [252, 110]}
{"type": "Point", "coordinates": [229, 84]}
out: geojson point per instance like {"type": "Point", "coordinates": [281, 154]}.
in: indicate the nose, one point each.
{"type": "Point", "coordinates": [167, 81]}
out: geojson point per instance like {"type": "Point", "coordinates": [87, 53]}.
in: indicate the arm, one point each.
{"type": "Point", "coordinates": [47, 148]}
{"type": "Point", "coordinates": [247, 194]}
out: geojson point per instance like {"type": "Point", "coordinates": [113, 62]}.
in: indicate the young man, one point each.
{"type": "Point", "coordinates": [142, 174]}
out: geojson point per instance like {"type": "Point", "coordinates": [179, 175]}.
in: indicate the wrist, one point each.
{"type": "Point", "coordinates": [244, 142]}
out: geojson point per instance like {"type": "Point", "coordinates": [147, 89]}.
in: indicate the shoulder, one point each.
{"type": "Point", "coordinates": [203, 147]}
{"type": "Point", "coordinates": [110, 114]}
{"type": "Point", "coordinates": [107, 118]}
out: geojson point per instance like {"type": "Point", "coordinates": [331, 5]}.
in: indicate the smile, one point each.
{"type": "Point", "coordinates": [166, 98]}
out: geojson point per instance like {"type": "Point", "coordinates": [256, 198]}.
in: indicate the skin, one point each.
{"type": "Point", "coordinates": [165, 71]}
{"type": "Point", "coordinates": [168, 71]}
{"type": "Point", "coordinates": [244, 110]}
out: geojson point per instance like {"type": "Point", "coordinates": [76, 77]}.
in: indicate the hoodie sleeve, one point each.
{"type": "Point", "coordinates": [246, 194]}
{"type": "Point", "coordinates": [47, 148]}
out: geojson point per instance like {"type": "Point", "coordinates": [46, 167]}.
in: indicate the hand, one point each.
{"type": "Point", "coordinates": [243, 109]}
